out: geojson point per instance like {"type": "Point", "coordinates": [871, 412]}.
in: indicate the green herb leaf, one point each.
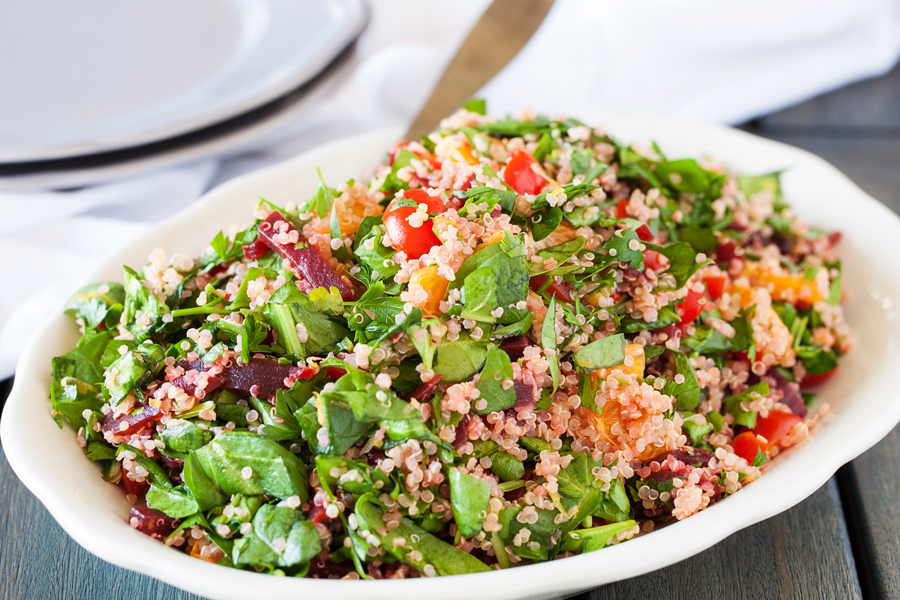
{"type": "Point", "coordinates": [469, 497]}
{"type": "Point", "coordinates": [601, 354]}
{"type": "Point", "coordinates": [497, 369]}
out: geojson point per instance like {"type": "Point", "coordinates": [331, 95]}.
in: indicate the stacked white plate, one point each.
{"type": "Point", "coordinates": [99, 88]}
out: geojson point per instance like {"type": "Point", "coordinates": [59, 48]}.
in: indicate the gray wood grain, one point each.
{"type": "Point", "coordinates": [802, 553]}
{"type": "Point", "coordinates": [870, 106]}
{"type": "Point", "coordinates": [872, 482]}
{"type": "Point", "coordinates": [39, 561]}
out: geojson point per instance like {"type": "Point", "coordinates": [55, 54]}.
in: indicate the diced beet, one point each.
{"type": "Point", "coordinates": [154, 523]}
{"type": "Point", "coordinates": [727, 250]}
{"type": "Point", "coordinates": [172, 463]}
{"type": "Point", "coordinates": [374, 456]}
{"type": "Point", "coordinates": [306, 262]}
{"type": "Point", "coordinates": [462, 433]}
{"type": "Point", "coordinates": [193, 365]}
{"type": "Point", "coordinates": [515, 346]}
{"type": "Point", "coordinates": [136, 420]}
{"type": "Point", "coordinates": [266, 374]}
{"type": "Point", "coordinates": [791, 393]}
{"type": "Point", "coordinates": [423, 392]}
{"type": "Point", "coordinates": [317, 515]}
{"type": "Point", "coordinates": [136, 488]}
{"type": "Point", "coordinates": [834, 238]}
{"type": "Point", "coordinates": [255, 249]}
{"type": "Point", "coordinates": [320, 568]}
{"type": "Point", "coordinates": [687, 455]}
{"type": "Point", "coordinates": [526, 395]}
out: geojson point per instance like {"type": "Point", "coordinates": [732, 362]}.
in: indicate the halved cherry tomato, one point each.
{"type": "Point", "coordinates": [435, 204]}
{"type": "Point", "coordinates": [523, 173]}
{"type": "Point", "coordinates": [775, 426]}
{"type": "Point", "coordinates": [715, 285]}
{"type": "Point", "coordinates": [414, 241]}
{"type": "Point", "coordinates": [621, 205]}
{"type": "Point", "coordinates": [556, 288]}
{"type": "Point", "coordinates": [692, 306]}
{"type": "Point", "coordinates": [814, 380]}
{"type": "Point", "coordinates": [747, 445]}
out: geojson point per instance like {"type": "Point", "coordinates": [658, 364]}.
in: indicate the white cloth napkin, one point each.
{"type": "Point", "coordinates": [701, 59]}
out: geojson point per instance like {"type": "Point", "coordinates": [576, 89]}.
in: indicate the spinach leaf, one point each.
{"type": "Point", "coordinates": [446, 559]}
{"type": "Point", "coordinates": [201, 487]}
{"type": "Point", "coordinates": [373, 254]}
{"type": "Point", "coordinates": [272, 469]}
{"type": "Point", "coordinates": [469, 497]}
{"type": "Point", "coordinates": [497, 369]}
{"type": "Point", "coordinates": [687, 393]}
{"type": "Point", "coordinates": [682, 262]}
{"type": "Point", "coordinates": [156, 473]}
{"type": "Point", "coordinates": [280, 537]}
{"type": "Point", "coordinates": [619, 247]}
{"type": "Point", "coordinates": [595, 538]}
{"type": "Point", "coordinates": [354, 476]}
{"type": "Point", "coordinates": [501, 282]}
{"type": "Point", "coordinates": [492, 196]}
{"type": "Point", "coordinates": [548, 341]}
{"type": "Point", "coordinates": [560, 253]}
{"type": "Point", "coordinates": [817, 360]}
{"type": "Point", "coordinates": [507, 467]}
{"type": "Point", "coordinates": [545, 221]}
{"type": "Point", "coordinates": [601, 354]}
{"type": "Point", "coordinates": [392, 183]}
{"type": "Point", "coordinates": [174, 501]}
{"type": "Point", "coordinates": [458, 360]}
{"type": "Point", "coordinates": [76, 379]}
{"type": "Point", "coordinates": [520, 327]}
{"type": "Point", "coordinates": [184, 437]}
{"type": "Point", "coordinates": [289, 307]}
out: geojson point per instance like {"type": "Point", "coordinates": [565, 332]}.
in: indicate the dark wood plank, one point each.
{"type": "Point", "coordinates": [870, 163]}
{"type": "Point", "coordinates": [872, 482]}
{"type": "Point", "coordinates": [38, 559]}
{"type": "Point", "coordinates": [802, 553]}
{"type": "Point", "coordinates": [869, 105]}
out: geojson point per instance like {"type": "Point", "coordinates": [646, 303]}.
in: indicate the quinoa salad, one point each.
{"type": "Point", "coordinates": [520, 340]}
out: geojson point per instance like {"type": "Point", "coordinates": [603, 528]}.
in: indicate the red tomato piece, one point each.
{"type": "Point", "coordinates": [334, 372]}
{"type": "Point", "coordinates": [775, 426]}
{"type": "Point", "coordinates": [556, 288]}
{"type": "Point", "coordinates": [644, 234]}
{"type": "Point", "coordinates": [692, 306]}
{"type": "Point", "coordinates": [435, 204]}
{"type": "Point", "coordinates": [747, 445]}
{"type": "Point", "coordinates": [652, 260]}
{"type": "Point", "coordinates": [523, 173]}
{"type": "Point", "coordinates": [715, 285]}
{"type": "Point", "coordinates": [414, 241]}
{"type": "Point", "coordinates": [620, 209]}
{"type": "Point", "coordinates": [817, 379]}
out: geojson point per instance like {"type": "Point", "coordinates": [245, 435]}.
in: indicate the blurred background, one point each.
{"type": "Point", "coordinates": [115, 114]}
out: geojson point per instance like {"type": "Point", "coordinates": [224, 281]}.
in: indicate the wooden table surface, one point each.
{"type": "Point", "coordinates": [842, 542]}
